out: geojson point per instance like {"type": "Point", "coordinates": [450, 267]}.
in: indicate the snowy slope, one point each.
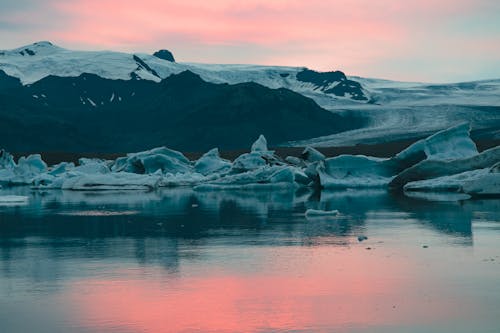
{"type": "Point", "coordinates": [33, 62]}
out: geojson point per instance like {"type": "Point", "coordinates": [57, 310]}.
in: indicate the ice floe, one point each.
{"type": "Point", "coordinates": [446, 162]}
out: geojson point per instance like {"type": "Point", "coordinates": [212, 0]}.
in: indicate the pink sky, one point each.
{"type": "Point", "coordinates": [447, 40]}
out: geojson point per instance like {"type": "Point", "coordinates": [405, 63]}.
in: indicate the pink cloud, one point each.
{"type": "Point", "coordinates": [355, 35]}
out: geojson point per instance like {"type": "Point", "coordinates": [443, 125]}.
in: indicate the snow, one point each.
{"type": "Point", "coordinates": [91, 102]}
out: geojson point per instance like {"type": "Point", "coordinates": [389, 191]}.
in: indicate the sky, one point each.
{"type": "Point", "coordinates": [408, 40]}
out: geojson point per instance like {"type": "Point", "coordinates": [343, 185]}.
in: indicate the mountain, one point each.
{"type": "Point", "coordinates": [378, 110]}
{"type": "Point", "coordinates": [91, 113]}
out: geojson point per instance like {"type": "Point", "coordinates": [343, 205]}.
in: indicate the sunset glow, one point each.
{"type": "Point", "coordinates": [411, 40]}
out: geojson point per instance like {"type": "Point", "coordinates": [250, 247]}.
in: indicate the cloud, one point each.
{"type": "Point", "coordinates": [362, 37]}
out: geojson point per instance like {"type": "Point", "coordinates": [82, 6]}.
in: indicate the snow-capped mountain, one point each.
{"type": "Point", "coordinates": [379, 110]}
{"type": "Point", "coordinates": [32, 63]}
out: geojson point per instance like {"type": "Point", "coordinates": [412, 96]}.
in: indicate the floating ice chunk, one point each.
{"type": "Point", "coordinates": [211, 162]}
{"type": "Point", "coordinates": [260, 145]}
{"type": "Point", "coordinates": [249, 161]}
{"type": "Point", "coordinates": [428, 169]}
{"type": "Point", "coordinates": [294, 161]}
{"type": "Point", "coordinates": [451, 143]}
{"type": "Point", "coordinates": [486, 185]}
{"type": "Point", "coordinates": [482, 182]}
{"type": "Point", "coordinates": [312, 155]}
{"type": "Point", "coordinates": [150, 161]}
{"type": "Point", "coordinates": [21, 174]}
{"type": "Point", "coordinates": [33, 164]}
{"type": "Point", "coordinates": [268, 176]}
{"type": "Point", "coordinates": [438, 196]}
{"type": "Point", "coordinates": [13, 200]}
{"type": "Point", "coordinates": [6, 160]}
{"type": "Point", "coordinates": [184, 179]}
{"type": "Point", "coordinates": [61, 168]}
{"type": "Point", "coordinates": [321, 213]}
{"type": "Point", "coordinates": [111, 181]}
{"type": "Point", "coordinates": [451, 183]}
{"type": "Point", "coordinates": [92, 166]}
{"type": "Point", "coordinates": [349, 171]}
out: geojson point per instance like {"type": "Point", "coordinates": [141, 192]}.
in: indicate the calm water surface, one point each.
{"type": "Point", "coordinates": [185, 261]}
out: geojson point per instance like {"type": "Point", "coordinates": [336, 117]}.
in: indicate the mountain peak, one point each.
{"type": "Point", "coordinates": [165, 55]}
{"type": "Point", "coordinates": [37, 48]}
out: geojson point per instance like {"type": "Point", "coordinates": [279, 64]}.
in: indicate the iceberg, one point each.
{"type": "Point", "coordinates": [269, 176]}
{"type": "Point", "coordinates": [448, 144]}
{"type": "Point", "coordinates": [111, 181]}
{"type": "Point", "coordinates": [211, 162]}
{"type": "Point", "coordinates": [355, 171]}
{"type": "Point", "coordinates": [431, 168]}
{"type": "Point", "coordinates": [446, 162]}
{"type": "Point", "coordinates": [150, 161]}
{"type": "Point", "coordinates": [481, 182]}
{"type": "Point", "coordinates": [21, 173]}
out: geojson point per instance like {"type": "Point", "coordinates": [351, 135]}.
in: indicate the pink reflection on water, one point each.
{"type": "Point", "coordinates": [324, 290]}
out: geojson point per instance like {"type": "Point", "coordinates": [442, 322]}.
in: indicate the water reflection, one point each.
{"type": "Point", "coordinates": [182, 260]}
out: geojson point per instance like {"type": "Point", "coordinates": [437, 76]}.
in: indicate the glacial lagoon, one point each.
{"type": "Point", "coordinates": [179, 260]}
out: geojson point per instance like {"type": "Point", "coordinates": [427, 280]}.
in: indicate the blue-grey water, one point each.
{"type": "Point", "coordinates": [247, 261]}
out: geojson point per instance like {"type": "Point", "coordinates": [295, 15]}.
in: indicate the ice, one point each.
{"type": "Point", "coordinates": [21, 173]}
{"type": "Point", "coordinates": [452, 143]}
{"type": "Point", "coordinates": [111, 181]}
{"type": "Point", "coordinates": [317, 212]}
{"type": "Point", "coordinates": [13, 200]}
{"type": "Point", "coordinates": [268, 176]}
{"type": "Point", "coordinates": [150, 161]}
{"type": "Point", "coordinates": [211, 162]}
{"type": "Point", "coordinates": [6, 160]}
{"type": "Point", "coordinates": [312, 155]}
{"type": "Point", "coordinates": [432, 168]}
{"type": "Point", "coordinates": [447, 161]}
{"type": "Point", "coordinates": [482, 182]}
{"type": "Point", "coordinates": [355, 171]}
{"type": "Point", "coordinates": [258, 157]}
{"type": "Point", "coordinates": [451, 183]}
{"type": "Point", "coordinates": [260, 145]}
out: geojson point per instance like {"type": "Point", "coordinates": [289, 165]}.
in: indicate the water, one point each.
{"type": "Point", "coordinates": [184, 261]}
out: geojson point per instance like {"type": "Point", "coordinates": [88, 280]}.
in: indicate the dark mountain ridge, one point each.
{"type": "Point", "coordinates": [90, 113]}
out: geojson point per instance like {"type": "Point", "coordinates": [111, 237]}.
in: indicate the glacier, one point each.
{"type": "Point", "coordinates": [447, 161]}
